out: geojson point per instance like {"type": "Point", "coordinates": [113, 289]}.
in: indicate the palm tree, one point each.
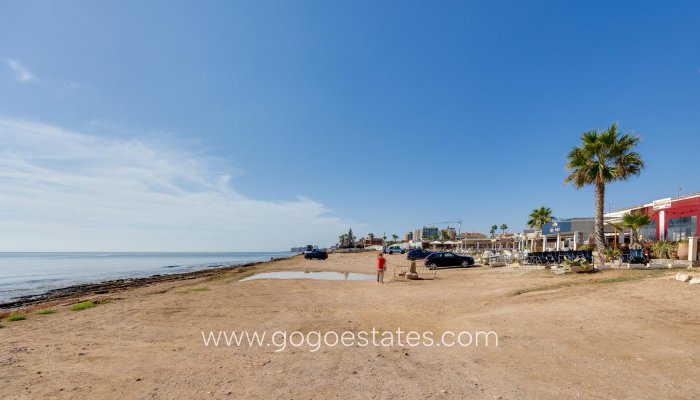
{"type": "Point", "coordinates": [619, 227]}
{"type": "Point", "coordinates": [603, 157]}
{"type": "Point", "coordinates": [503, 228]}
{"type": "Point", "coordinates": [493, 230]}
{"type": "Point", "coordinates": [395, 237]}
{"type": "Point", "coordinates": [636, 221]}
{"type": "Point", "coordinates": [539, 217]}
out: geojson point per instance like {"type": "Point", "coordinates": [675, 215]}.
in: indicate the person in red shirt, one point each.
{"type": "Point", "coordinates": [381, 267]}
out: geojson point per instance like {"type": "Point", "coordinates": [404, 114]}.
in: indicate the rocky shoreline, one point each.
{"type": "Point", "coordinates": [120, 285]}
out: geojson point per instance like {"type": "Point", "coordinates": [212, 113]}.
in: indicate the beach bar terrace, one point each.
{"type": "Point", "coordinates": [507, 242]}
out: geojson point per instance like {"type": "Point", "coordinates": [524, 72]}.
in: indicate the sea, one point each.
{"type": "Point", "coordinates": [23, 274]}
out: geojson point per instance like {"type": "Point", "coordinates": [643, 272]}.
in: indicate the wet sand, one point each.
{"type": "Point", "coordinates": [615, 334]}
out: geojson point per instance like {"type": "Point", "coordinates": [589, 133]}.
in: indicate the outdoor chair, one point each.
{"type": "Point", "coordinates": [533, 258]}
{"type": "Point", "coordinates": [563, 256]}
{"type": "Point", "coordinates": [542, 258]}
{"type": "Point", "coordinates": [625, 256]}
{"type": "Point", "coordinates": [636, 256]}
{"type": "Point", "coordinates": [551, 257]}
{"type": "Point", "coordinates": [587, 255]}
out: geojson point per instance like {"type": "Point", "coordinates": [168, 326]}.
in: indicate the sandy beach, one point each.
{"type": "Point", "coordinates": [610, 335]}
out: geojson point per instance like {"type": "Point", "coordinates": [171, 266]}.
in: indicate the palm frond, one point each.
{"type": "Point", "coordinates": [604, 156]}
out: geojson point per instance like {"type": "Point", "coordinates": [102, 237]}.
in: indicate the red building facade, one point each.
{"type": "Point", "coordinates": [673, 219]}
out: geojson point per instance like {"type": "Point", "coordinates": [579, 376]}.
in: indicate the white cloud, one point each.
{"type": "Point", "coordinates": [21, 73]}
{"type": "Point", "coordinates": [67, 191]}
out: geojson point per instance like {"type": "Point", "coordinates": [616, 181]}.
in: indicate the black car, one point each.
{"type": "Point", "coordinates": [417, 254]}
{"type": "Point", "coordinates": [315, 254]}
{"type": "Point", "coordinates": [447, 259]}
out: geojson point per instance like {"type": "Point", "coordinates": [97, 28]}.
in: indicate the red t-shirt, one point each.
{"type": "Point", "coordinates": [380, 262]}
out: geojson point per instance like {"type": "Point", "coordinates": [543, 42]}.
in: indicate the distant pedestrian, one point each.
{"type": "Point", "coordinates": [381, 267]}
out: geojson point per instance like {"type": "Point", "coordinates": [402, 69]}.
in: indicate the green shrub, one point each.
{"type": "Point", "coordinates": [611, 254]}
{"type": "Point", "coordinates": [575, 262]}
{"type": "Point", "coordinates": [82, 306]}
{"type": "Point", "coordinates": [46, 311]}
{"type": "Point", "coordinates": [16, 317]}
{"type": "Point", "coordinates": [662, 249]}
{"type": "Point", "coordinates": [674, 251]}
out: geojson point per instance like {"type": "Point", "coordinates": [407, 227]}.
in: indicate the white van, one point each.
{"type": "Point", "coordinates": [394, 248]}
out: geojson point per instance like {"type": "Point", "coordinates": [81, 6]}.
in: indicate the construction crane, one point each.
{"type": "Point", "coordinates": [459, 222]}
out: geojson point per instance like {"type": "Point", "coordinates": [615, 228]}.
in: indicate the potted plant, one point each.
{"type": "Point", "coordinates": [674, 251]}
{"type": "Point", "coordinates": [578, 265]}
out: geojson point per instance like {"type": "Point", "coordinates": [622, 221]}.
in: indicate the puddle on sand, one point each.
{"type": "Point", "coordinates": [324, 275]}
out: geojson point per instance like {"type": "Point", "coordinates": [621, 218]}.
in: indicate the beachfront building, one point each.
{"type": "Point", "coordinates": [408, 237]}
{"type": "Point", "coordinates": [373, 242]}
{"type": "Point", "coordinates": [471, 235]}
{"type": "Point", "coordinates": [672, 219]}
{"type": "Point", "coordinates": [567, 234]}
{"type": "Point", "coordinates": [474, 241]}
{"type": "Point", "coordinates": [482, 243]}
{"type": "Point", "coordinates": [426, 233]}
{"type": "Point", "coordinates": [451, 233]}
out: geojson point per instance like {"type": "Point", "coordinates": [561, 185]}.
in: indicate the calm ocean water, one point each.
{"type": "Point", "coordinates": [34, 273]}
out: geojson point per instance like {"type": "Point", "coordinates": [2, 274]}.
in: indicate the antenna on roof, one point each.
{"type": "Point", "coordinates": [679, 190]}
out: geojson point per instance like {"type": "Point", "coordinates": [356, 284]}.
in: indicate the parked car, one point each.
{"type": "Point", "coordinates": [394, 248]}
{"type": "Point", "coordinates": [315, 254]}
{"type": "Point", "coordinates": [445, 259]}
{"type": "Point", "coordinates": [417, 254]}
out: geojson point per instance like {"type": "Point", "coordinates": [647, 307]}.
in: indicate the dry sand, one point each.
{"type": "Point", "coordinates": [611, 335]}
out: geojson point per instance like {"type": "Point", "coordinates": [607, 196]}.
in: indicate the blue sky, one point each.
{"type": "Point", "coordinates": [262, 125]}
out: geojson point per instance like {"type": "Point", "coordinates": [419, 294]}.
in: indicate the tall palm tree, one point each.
{"type": "Point", "coordinates": [493, 230]}
{"type": "Point", "coordinates": [395, 237]}
{"type": "Point", "coordinates": [603, 157]}
{"type": "Point", "coordinates": [538, 218]}
{"type": "Point", "coordinates": [636, 221]}
{"type": "Point", "coordinates": [503, 228]}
